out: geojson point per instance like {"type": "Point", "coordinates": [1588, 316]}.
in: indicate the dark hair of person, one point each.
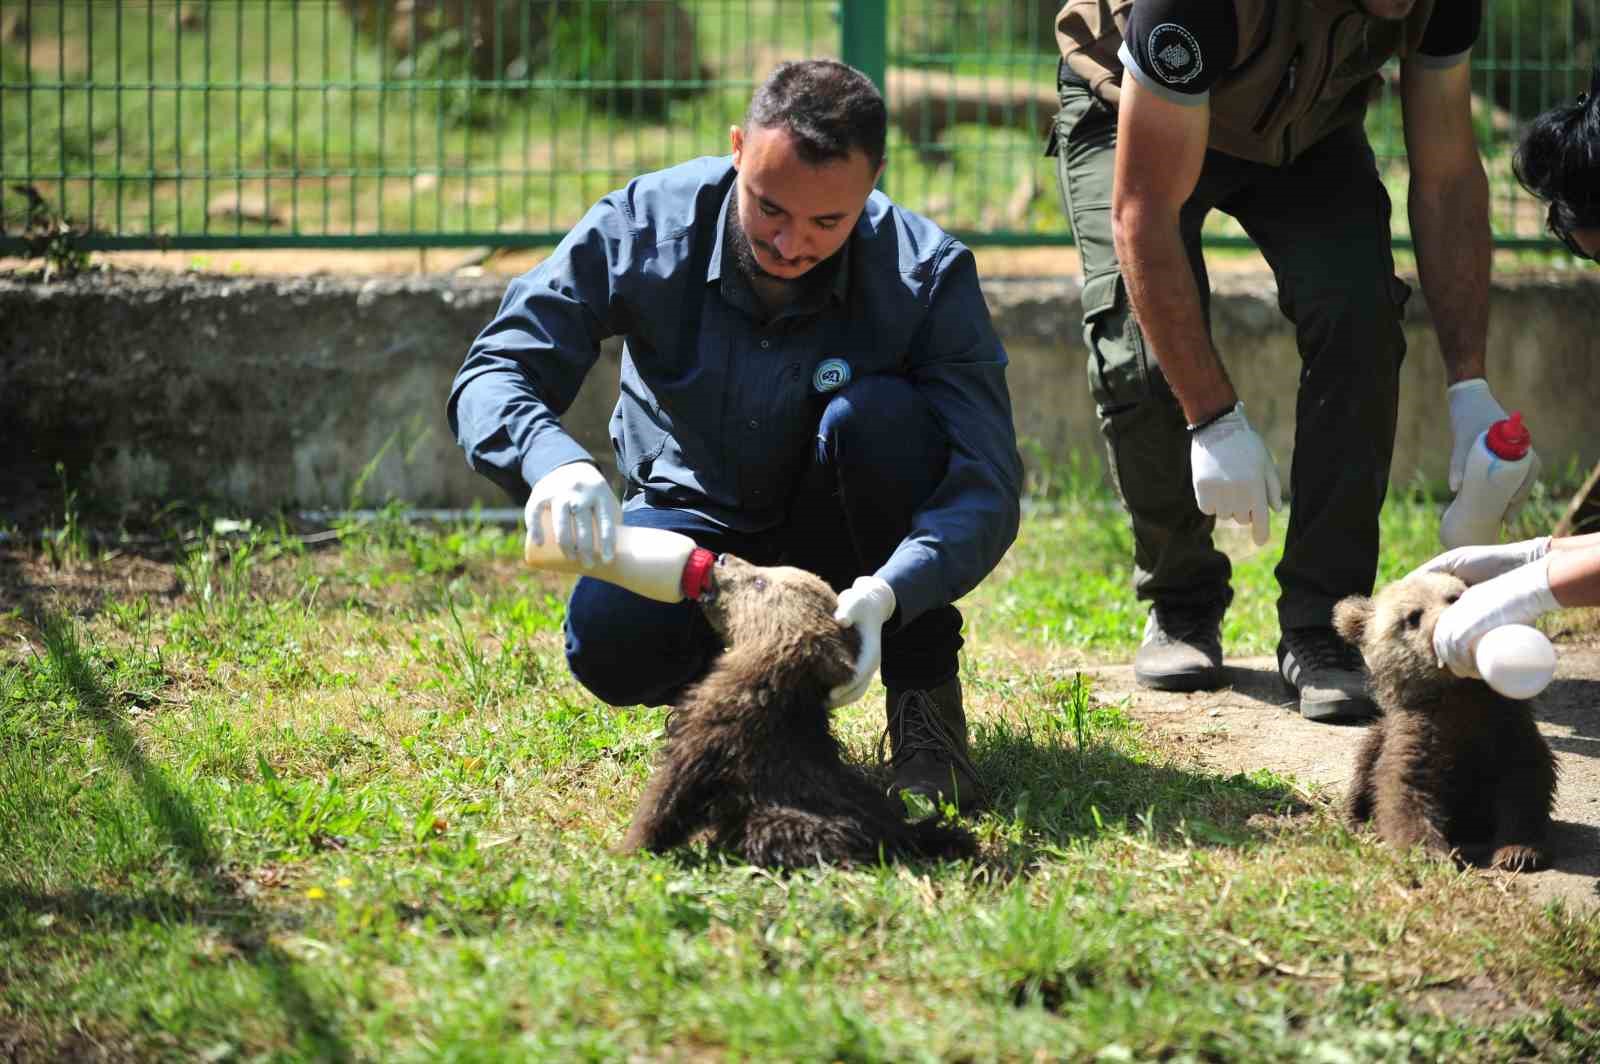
{"type": "Point", "coordinates": [1558, 160]}
{"type": "Point", "coordinates": [830, 108]}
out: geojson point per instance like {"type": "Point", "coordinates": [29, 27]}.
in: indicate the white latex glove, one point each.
{"type": "Point", "coordinates": [1473, 408]}
{"type": "Point", "coordinates": [865, 605]}
{"type": "Point", "coordinates": [1475, 564]}
{"type": "Point", "coordinates": [1518, 596]}
{"type": "Point", "coordinates": [1234, 474]}
{"type": "Point", "coordinates": [584, 512]}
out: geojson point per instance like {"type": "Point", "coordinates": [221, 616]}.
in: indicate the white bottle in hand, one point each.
{"type": "Point", "coordinates": [1496, 467]}
{"type": "Point", "coordinates": [654, 562]}
{"type": "Point", "coordinates": [1515, 659]}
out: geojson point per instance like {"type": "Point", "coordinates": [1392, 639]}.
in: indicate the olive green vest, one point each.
{"type": "Point", "coordinates": [1303, 67]}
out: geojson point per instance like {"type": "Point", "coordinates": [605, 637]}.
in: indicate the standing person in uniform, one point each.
{"type": "Point", "coordinates": [809, 377]}
{"type": "Point", "coordinates": [1171, 109]}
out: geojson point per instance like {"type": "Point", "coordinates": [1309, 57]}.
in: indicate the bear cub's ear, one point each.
{"type": "Point", "coordinates": [1350, 618]}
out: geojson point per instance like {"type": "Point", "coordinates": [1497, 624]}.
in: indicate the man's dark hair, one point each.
{"type": "Point", "coordinates": [1558, 160]}
{"type": "Point", "coordinates": [830, 108]}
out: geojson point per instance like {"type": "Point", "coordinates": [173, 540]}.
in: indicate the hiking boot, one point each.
{"type": "Point", "coordinates": [1182, 649]}
{"type": "Point", "coordinates": [927, 736]}
{"type": "Point", "coordinates": [1327, 673]}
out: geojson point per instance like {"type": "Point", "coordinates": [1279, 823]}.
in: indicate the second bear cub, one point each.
{"type": "Point", "coordinates": [1451, 765]}
{"type": "Point", "coordinates": [749, 754]}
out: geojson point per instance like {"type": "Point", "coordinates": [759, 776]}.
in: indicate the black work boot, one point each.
{"type": "Point", "coordinates": [1327, 673]}
{"type": "Point", "coordinates": [1182, 649]}
{"type": "Point", "coordinates": [927, 736]}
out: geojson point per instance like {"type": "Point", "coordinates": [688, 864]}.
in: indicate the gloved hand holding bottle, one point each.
{"type": "Point", "coordinates": [865, 605]}
{"type": "Point", "coordinates": [1234, 474]}
{"type": "Point", "coordinates": [583, 513]}
{"type": "Point", "coordinates": [1511, 583]}
{"type": "Point", "coordinates": [1519, 596]}
{"type": "Point", "coordinates": [1473, 412]}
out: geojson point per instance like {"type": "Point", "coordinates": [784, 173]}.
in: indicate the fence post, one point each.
{"type": "Point", "coordinates": [864, 37]}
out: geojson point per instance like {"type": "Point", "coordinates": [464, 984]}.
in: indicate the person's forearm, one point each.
{"type": "Point", "coordinates": [1166, 301]}
{"type": "Point", "coordinates": [1575, 571]}
{"type": "Point", "coordinates": [1450, 224]}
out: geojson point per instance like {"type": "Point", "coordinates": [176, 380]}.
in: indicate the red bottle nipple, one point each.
{"type": "Point", "coordinates": [1509, 439]}
{"type": "Point", "coordinates": [697, 572]}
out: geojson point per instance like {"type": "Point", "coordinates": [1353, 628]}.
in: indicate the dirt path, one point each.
{"type": "Point", "coordinates": [1252, 724]}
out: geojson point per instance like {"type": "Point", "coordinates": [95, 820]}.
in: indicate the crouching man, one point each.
{"type": "Point", "coordinates": [809, 377]}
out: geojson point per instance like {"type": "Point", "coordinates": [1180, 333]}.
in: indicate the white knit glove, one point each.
{"type": "Point", "coordinates": [865, 605]}
{"type": "Point", "coordinates": [1519, 596]}
{"type": "Point", "coordinates": [584, 512]}
{"type": "Point", "coordinates": [1473, 408]}
{"type": "Point", "coordinates": [1234, 475]}
{"type": "Point", "coordinates": [1475, 564]}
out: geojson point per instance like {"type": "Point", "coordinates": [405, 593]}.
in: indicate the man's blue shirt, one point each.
{"type": "Point", "coordinates": [719, 408]}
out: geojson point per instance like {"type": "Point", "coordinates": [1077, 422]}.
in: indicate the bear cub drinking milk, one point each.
{"type": "Point", "coordinates": [1450, 765]}
{"type": "Point", "coordinates": [749, 755]}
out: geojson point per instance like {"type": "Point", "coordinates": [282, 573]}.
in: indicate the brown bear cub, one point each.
{"type": "Point", "coordinates": [749, 755]}
{"type": "Point", "coordinates": [1451, 765]}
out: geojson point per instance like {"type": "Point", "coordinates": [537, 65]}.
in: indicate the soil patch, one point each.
{"type": "Point", "coordinates": [1252, 724]}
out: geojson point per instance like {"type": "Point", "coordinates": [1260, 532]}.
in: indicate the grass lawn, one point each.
{"type": "Point", "coordinates": [265, 799]}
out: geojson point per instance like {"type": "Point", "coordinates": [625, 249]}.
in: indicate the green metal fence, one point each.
{"type": "Point", "coordinates": [363, 123]}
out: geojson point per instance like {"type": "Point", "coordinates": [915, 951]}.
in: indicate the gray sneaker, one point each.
{"type": "Point", "coordinates": [1327, 673]}
{"type": "Point", "coordinates": [1182, 649]}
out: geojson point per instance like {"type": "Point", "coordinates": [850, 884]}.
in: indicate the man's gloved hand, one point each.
{"type": "Point", "coordinates": [1518, 596]}
{"type": "Point", "coordinates": [1234, 474]}
{"type": "Point", "coordinates": [1474, 564]}
{"type": "Point", "coordinates": [866, 605]}
{"type": "Point", "coordinates": [584, 512]}
{"type": "Point", "coordinates": [1473, 408]}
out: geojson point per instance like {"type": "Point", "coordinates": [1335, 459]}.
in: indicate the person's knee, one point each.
{"type": "Point", "coordinates": [619, 651]}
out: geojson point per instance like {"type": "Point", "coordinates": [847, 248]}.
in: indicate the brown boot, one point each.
{"type": "Point", "coordinates": [927, 737]}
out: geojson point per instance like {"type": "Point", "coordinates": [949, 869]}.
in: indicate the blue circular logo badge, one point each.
{"type": "Point", "coordinates": [831, 375]}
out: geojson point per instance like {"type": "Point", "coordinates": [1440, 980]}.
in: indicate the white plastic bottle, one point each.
{"type": "Point", "coordinates": [1497, 465]}
{"type": "Point", "coordinates": [1515, 659]}
{"type": "Point", "coordinates": [657, 563]}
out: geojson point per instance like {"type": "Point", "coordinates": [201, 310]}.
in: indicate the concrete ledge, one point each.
{"type": "Point", "coordinates": [267, 391]}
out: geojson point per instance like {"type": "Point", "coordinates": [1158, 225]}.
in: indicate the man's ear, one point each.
{"type": "Point", "coordinates": [736, 142]}
{"type": "Point", "coordinates": [1350, 618]}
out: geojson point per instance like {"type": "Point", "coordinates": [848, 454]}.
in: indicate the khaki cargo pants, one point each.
{"type": "Point", "coordinates": [1322, 223]}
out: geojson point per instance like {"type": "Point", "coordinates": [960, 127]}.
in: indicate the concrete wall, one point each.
{"type": "Point", "coordinates": [271, 391]}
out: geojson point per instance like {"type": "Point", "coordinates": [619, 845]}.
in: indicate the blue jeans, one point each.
{"type": "Point", "coordinates": [879, 455]}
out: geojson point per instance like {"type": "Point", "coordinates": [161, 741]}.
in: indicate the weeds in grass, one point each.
{"type": "Point", "coordinates": [51, 234]}
{"type": "Point", "coordinates": [69, 544]}
{"type": "Point", "coordinates": [216, 575]}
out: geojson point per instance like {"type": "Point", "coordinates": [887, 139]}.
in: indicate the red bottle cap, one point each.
{"type": "Point", "coordinates": [697, 572]}
{"type": "Point", "coordinates": [1509, 439]}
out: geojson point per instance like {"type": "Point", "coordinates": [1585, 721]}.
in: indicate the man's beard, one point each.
{"type": "Point", "coordinates": [744, 256]}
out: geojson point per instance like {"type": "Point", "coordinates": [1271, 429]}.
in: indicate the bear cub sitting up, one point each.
{"type": "Point", "coordinates": [1451, 765]}
{"type": "Point", "coordinates": [749, 755]}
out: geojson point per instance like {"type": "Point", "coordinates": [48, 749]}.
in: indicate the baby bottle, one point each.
{"type": "Point", "coordinates": [1515, 659]}
{"type": "Point", "coordinates": [657, 563]}
{"type": "Point", "coordinates": [1496, 467]}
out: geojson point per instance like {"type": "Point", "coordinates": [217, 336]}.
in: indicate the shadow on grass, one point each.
{"type": "Point", "coordinates": [1061, 788]}
{"type": "Point", "coordinates": [220, 900]}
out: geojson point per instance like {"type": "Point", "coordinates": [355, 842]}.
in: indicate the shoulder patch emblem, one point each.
{"type": "Point", "coordinates": [1174, 54]}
